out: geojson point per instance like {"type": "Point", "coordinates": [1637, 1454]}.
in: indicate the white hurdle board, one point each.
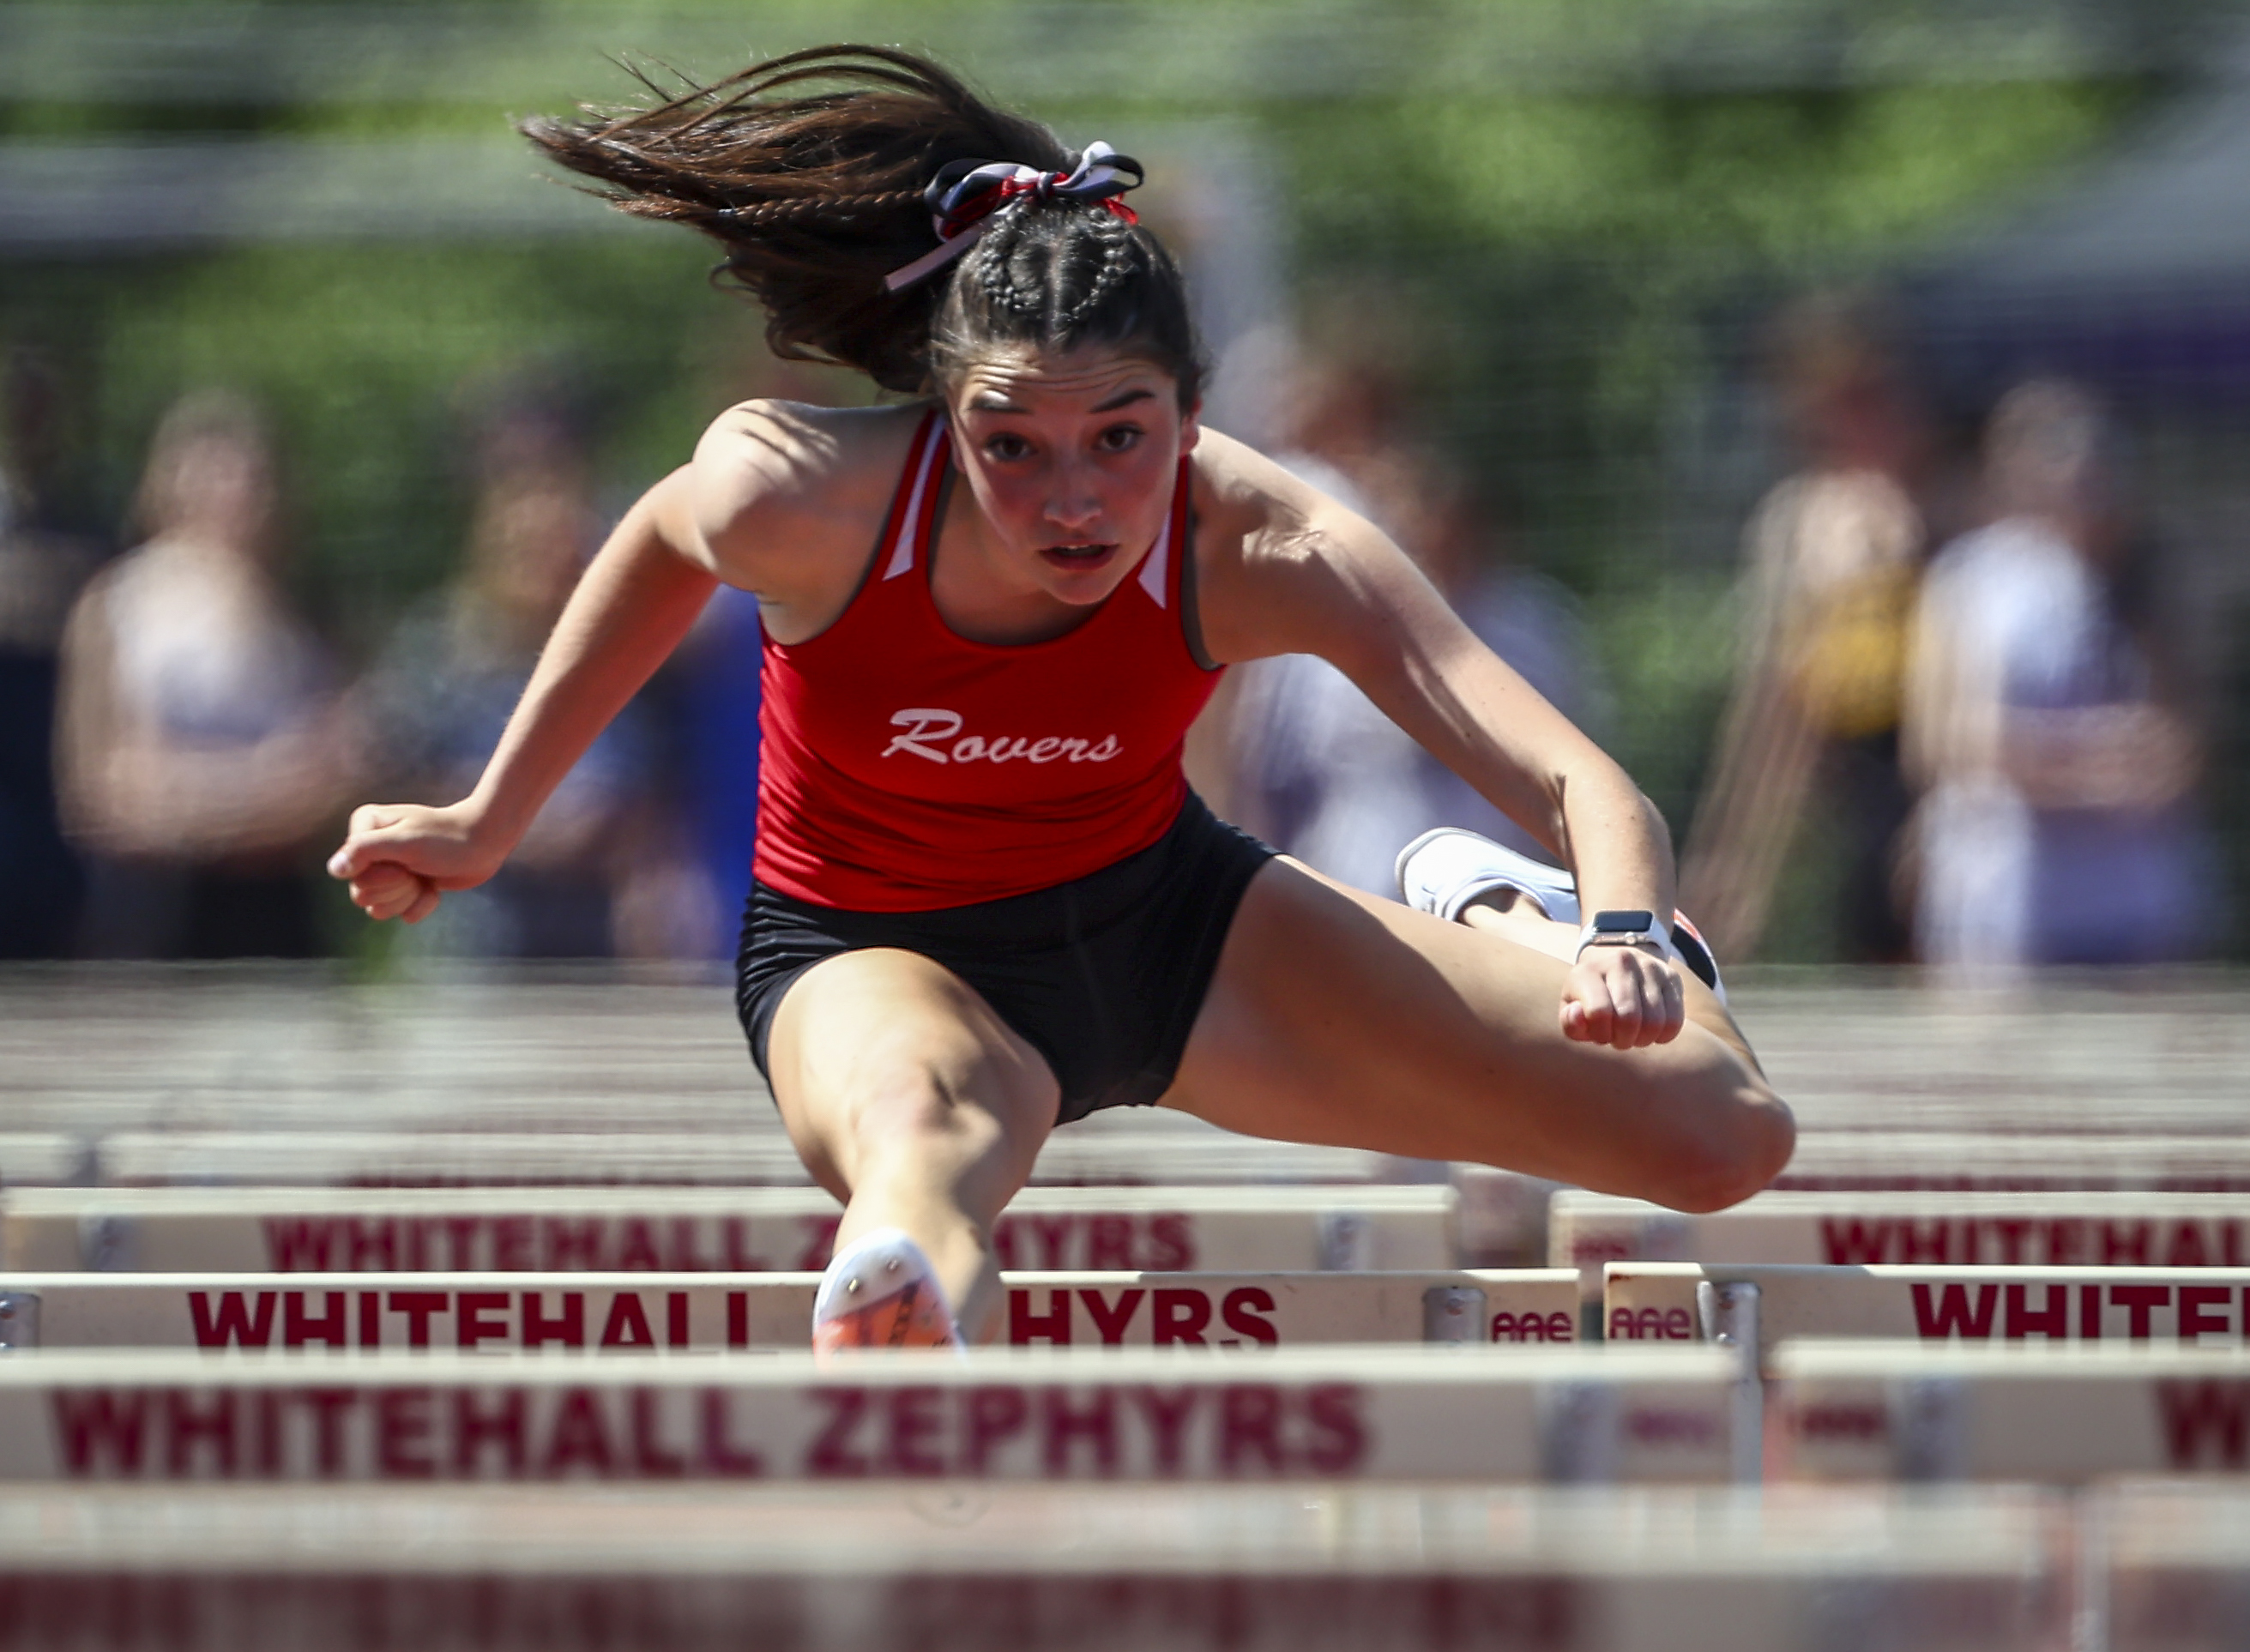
{"type": "Point", "coordinates": [467, 1158]}
{"type": "Point", "coordinates": [2050, 1229]}
{"type": "Point", "coordinates": [1690, 1302]}
{"type": "Point", "coordinates": [681, 1230]}
{"type": "Point", "coordinates": [1887, 1411]}
{"type": "Point", "coordinates": [43, 1159]}
{"type": "Point", "coordinates": [1383, 1414]}
{"type": "Point", "coordinates": [629, 1313]}
{"type": "Point", "coordinates": [1301, 1567]}
{"type": "Point", "coordinates": [1972, 1162]}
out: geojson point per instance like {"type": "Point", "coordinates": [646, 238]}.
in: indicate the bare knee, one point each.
{"type": "Point", "coordinates": [1731, 1137]}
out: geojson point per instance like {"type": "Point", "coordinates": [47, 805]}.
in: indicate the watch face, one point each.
{"type": "Point", "coordinates": [1624, 922]}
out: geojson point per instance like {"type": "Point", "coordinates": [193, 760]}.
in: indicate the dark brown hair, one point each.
{"type": "Point", "coordinates": [811, 170]}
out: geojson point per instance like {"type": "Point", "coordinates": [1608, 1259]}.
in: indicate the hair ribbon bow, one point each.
{"type": "Point", "coordinates": [965, 194]}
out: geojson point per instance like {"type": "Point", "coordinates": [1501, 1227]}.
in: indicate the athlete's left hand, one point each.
{"type": "Point", "coordinates": [1625, 997]}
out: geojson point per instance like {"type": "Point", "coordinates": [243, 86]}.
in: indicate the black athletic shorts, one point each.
{"type": "Point", "coordinates": [1102, 975]}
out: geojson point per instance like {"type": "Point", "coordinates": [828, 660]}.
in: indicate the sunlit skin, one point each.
{"type": "Point", "coordinates": [1069, 459]}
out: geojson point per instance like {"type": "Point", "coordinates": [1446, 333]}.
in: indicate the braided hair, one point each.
{"type": "Point", "coordinates": [811, 172]}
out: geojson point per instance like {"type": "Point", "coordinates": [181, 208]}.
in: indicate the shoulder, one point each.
{"type": "Point", "coordinates": [1283, 567]}
{"type": "Point", "coordinates": [1261, 513]}
{"type": "Point", "coordinates": [125, 591]}
{"type": "Point", "coordinates": [780, 492]}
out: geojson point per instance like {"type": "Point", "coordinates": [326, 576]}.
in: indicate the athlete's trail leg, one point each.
{"type": "Point", "coordinates": [1505, 913]}
{"type": "Point", "coordinates": [1338, 1018]}
{"type": "Point", "coordinates": [912, 1101]}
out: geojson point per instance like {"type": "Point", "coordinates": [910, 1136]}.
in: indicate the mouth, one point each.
{"type": "Point", "coordinates": [1079, 558]}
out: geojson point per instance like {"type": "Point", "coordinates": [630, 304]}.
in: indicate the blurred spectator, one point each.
{"type": "Point", "coordinates": [591, 878]}
{"type": "Point", "coordinates": [202, 754]}
{"type": "Point", "coordinates": [42, 569]}
{"type": "Point", "coordinates": [1324, 774]}
{"type": "Point", "coordinates": [714, 679]}
{"type": "Point", "coordinates": [1833, 555]}
{"type": "Point", "coordinates": [2055, 825]}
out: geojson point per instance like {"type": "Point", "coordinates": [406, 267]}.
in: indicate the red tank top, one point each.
{"type": "Point", "coordinates": [905, 768]}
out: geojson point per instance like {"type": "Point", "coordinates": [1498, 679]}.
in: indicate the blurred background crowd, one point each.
{"type": "Point", "coordinates": [1843, 413]}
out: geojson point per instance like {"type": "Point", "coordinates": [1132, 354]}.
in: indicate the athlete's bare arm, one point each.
{"type": "Point", "coordinates": [1285, 569]}
{"type": "Point", "coordinates": [781, 500]}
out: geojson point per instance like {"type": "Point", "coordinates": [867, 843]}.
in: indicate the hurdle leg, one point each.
{"type": "Point", "coordinates": [1503, 913]}
{"type": "Point", "coordinates": [1729, 1314]}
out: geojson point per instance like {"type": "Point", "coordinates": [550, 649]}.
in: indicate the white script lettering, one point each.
{"type": "Point", "coordinates": [930, 731]}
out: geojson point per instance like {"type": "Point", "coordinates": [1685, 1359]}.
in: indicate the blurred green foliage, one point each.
{"type": "Point", "coordinates": [1553, 259]}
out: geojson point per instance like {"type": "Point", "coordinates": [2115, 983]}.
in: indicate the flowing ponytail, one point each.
{"type": "Point", "coordinates": [814, 172]}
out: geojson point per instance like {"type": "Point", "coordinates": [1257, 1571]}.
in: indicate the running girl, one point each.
{"type": "Point", "coordinates": [986, 902]}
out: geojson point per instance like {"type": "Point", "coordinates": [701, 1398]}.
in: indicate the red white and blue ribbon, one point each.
{"type": "Point", "coordinates": [963, 197]}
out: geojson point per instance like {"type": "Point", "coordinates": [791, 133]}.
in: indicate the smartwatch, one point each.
{"type": "Point", "coordinates": [1623, 929]}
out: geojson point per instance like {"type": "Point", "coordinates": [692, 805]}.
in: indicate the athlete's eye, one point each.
{"type": "Point", "coordinates": [1119, 437]}
{"type": "Point", "coordinates": [1005, 445]}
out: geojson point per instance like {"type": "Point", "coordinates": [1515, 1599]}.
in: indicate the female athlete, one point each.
{"type": "Point", "coordinates": [985, 901]}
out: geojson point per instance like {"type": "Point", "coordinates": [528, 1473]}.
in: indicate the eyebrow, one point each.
{"type": "Point", "coordinates": [993, 401]}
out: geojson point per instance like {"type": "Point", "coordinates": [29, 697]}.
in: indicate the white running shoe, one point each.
{"type": "Point", "coordinates": [1443, 870]}
{"type": "Point", "coordinates": [881, 1292]}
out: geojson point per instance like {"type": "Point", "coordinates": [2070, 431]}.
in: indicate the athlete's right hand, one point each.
{"type": "Point", "coordinates": [400, 858]}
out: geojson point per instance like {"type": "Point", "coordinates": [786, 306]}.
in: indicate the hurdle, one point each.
{"type": "Point", "coordinates": [1887, 1411]}
{"type": "Point", "coordinates": [44, 1158]}
{"type": "Point", "coordinates": [1971, 1162]}
{"type": "Point", "coordinates": [702, 1312]}
{"type": "Point", "coordinates": [1251, 1229]}
{"type": "Point", "coordinates": [1342, 1414]}
{"type": "Point", "coordinates": [2044, 1229]}
{"type": "Point", "coordinates": [1764, 1305]}
{"type": "Point", "coordinates": [1307, 1568]}
{"type": "Point", "coordinates": [470, 1159]}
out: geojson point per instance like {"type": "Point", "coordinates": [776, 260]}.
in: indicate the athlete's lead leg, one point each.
{"type": "Point", "coordinates": [912, 1101]}
{"type": "Point", "coordinates": [1338, 1018]}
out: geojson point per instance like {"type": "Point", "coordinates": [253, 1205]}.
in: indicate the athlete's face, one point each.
{"type": "Point", "coordinates": [1072, 458]}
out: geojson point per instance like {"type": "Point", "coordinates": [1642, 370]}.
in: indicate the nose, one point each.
{"type": "Point", "coordinates": [1073, 503]}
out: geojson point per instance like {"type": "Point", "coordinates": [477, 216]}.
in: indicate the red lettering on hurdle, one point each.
{"type": "Point", "coordinates": [831, 1457]}
{"type": "Point", "coordinates": [572, 1245]}
{"type": "Point", "coordinates": [568, 1327]}
{"type": "Point", "coordinates": [1249, 1420]}
{"type": "Point", "coordinates": [1171, 1243]}
{"type": "Point", "coordinates": [1555, 1327]}
{"type": "Point", "coordinates": [1110, 1323]}
{"type": "Point", "coordinates": [1951, 1315]}
{"type": "Point", "coordinates": [2139, 1301]}
{"type": "Point", "coordinates": [1167, 1416]}
{"type": "Point", "coordinates": [1849, 1242]}
{"type": "Point", "coordinates": [1339, 1444]}
{"type": "Point", "coordinates": [994, 1415]}
{"type": "Point", "coordinates": [1180, 1317]}
{"type": "Point", "coordinates": [1649, 1324]}
{"type": "Point", "coordinates": [627, 1325]}
{"type": "Point", "coordinates": [299, 1328]}
{"type": "Point", "coordinates": [2201, 1414]}
{"type": "Point", "coordinates": [1053, 1326]}
{"type": "Point", "coordinates": [2052, 1320]}
{"type": "Point", "coordinates": [473, 1430]}
{"type": "Point", "coordinates": [818, 1235]}
{"type": "Point", "coordinates": [1843, 1422]}
{"type": "Point", "coordinates": [1096, 1423]}
{"type": "Point", "coordinates": [1241, 1309]}
{"type": "Point", "coordinates": [234, 1324]}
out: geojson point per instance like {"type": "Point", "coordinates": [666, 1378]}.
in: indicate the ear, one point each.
{"type": "Point", "coordinates": [1191, 427]}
